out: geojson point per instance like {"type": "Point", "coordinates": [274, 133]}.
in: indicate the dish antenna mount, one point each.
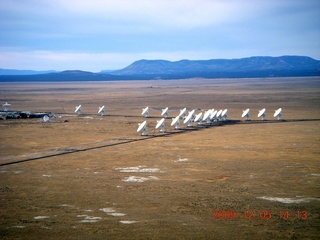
{"type": "Point", "coordinates": [102, 111]}
{"type": "Point", "coordinates": [78, 110]}
{"type": "Point", "coordinates": [143, 126]}
{"type": "Point", "coordinates": [262, 114]}
{"type": "Point", "coordinates": [278, 113]}
{"type": "Point", "coordinates": [6, 106]}
{"type": "Point", "coordinates": [246, 114]}
{"type": "Point", "coordinates": [161, 124]}
{"type": "Point", "coordinates": [198, 118]}
{"type": "Point", "coordinates": [165, 112]}
{"type": "Point", "coordinates": [182, 112]}
{"type": "Point", "coordinates": [176, 121]}
{"type": "Point", "coordinates": [224, 114]}
{"type": "Point", "coordinates": [206, 115]}
{"type": "Point", "coordinates": [219, 115]}
{"type": "Point", "coordinates": [145, 112]}
{"type": "Point", "coordinates": [213, 115]}
{"type": "Point", "coordinates": [189, 118]}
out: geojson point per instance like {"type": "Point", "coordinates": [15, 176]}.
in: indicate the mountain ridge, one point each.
{"type": "Point", "coordinates": [4, 71]}
{"type": "Point", "coordinates": [256, 66]}
{"type": "Point", "coordinates": [219, 65]}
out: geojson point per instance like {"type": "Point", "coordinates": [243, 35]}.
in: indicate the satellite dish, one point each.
{"type": "Point", "coordinates": [101, 111]}
{"type": "Point", "coordinates": [182, 112]}
{"type": "Point", "coordinates": [198, 118]}
{"type": "Point", "coordinates": [224, 114]}
{"type": "Point", "coordinates": [189, 118]}
{"type": "Point", "coordinates": [206, 115]}
{"type": "Point", "coordinates": [213, 116]}
{"type": "Point", "coordinates": [145, 111]}
{"type": "Point", "coordinates": [176, 121]}
{"type": "Point", "coordinates": [78, 110]}
{"type": "Point", "coordinates": [246, 114]}
{"type": "Point", "coordinates": [143, 126]}
{"type": "Point", "coordinates": [278, 113]}
{"type": "Point", "coordinates": [46, 118]}
{"type": "Point", "coordinates": [219, 114]}
{"type": "Point", "coordinates": [262, 114]}
{"type": "Point", "coordinates": [160, 124]}
{"type": "Point", "coordinates": [165, 112]}
{"type": "Point", "coordinates": [6, 106]}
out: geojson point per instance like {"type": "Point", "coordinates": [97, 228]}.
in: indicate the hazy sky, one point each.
{"type": "Point", "coordinates": [95, 35]}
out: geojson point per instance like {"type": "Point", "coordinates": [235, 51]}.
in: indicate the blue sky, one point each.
{"type": "Point", "coordinates": [95, 35]}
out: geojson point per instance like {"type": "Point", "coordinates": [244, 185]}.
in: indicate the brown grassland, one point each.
{"type": "Point", "coordinates": [94, 177]}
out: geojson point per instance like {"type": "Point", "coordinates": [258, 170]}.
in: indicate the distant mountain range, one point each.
{"type": "Point", "coordinates": [284, 66]}
{"type": "Point", "coordinates": [23, 72]}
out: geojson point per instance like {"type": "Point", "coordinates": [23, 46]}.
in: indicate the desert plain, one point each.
{"type": "Point", "coordinates": [94, 177]}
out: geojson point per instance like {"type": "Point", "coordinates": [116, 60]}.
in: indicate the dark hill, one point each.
{"type": "Point", "coordinates": [69, 75]}
{"type": "Point", "coordinates": [244, 67]}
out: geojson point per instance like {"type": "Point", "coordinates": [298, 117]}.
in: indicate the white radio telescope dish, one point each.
{"type": "Point", "coordinates": [78, 110]}
{"type": "Point", "coordinates": [6, 106]}
{"type": "Point", "coordinates": [101, 111]}
{"type": "Point", "coordinates": [189, 118]}
{"type": "Point", "coordinates": [143, 126]}
{"type": "Point", "coordinates": [198, 118]}
{"type": "Point", "coordinates": [206, 115]}
{"type": "Point", "coordinates": [219, 114]}
{"type": "Point", "coordinates": [160, 123]}
{"type": "Point", "coordinates": [182, 112]}
{"type": "Point", "coordinates": [145, 111]}
{"type": "Point", "coordinates": [213, 115]}
{"type": "Point", "coordinates": [176, 121]}
{"type": "Point", "coordinates": [246, 114]}
{"type": "Point", "coordinates": [46, 118]}
{"type": "Point", "coordinates": [224, 114]}
{"type": "Point", "coordinates": [165, 112]}
{"type": "Point", "coordinates": [262, 114]}
{"type": "Point", "coordinates": [278, 113]}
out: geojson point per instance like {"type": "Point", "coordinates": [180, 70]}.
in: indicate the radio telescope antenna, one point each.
{"type": "Point", "coordinates": [189, 118]}
{"type": "Point", "coordinates": [78, 110]}
{"type": "Point", "coordinates": [278, 113]}
{"type": "Point", "coordinates": [165, 112]}
{"type": "Point", "coordinates": [160, 124]}
{"type": "Point", "coordinates": [143, 126]}
{"type": "Point", "coordinates": [6, 106]}
{"type": "Point", "coordinates": [246, 114]}
{"type": "Point", "coordinates": [262, 114]}
{"type": "Point", "coordinates": [206, 115]}
{"type": "Point", "coordinates": [213, 116]}
{"type": "Point", "coordinates": [46, 118]}
{"type": "Point", "coordinates": [182, 112]}
{"type": "Point", "coordinates": [224, 114]}
{"type": "Point", "coordinates": [198, 118]}
{"type": "Point", "coordinates": [101, 111]}
{"type": "Point", "coordinates": [145, 111]}
{"type": "Point", "coordinates": [218, 116]}
{"type": "Point", "coordinates": [176, 121]}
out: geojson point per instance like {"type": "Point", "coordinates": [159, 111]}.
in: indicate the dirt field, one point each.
{"type": "Point", "coordinates": [94, 177]}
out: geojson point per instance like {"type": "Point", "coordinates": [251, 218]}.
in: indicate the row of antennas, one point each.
{"type": "Point", "coordinates": [209, 116]}
{"type": "Point", "coordinates": [262, 114]}
{"type": "Point", "coordinates": [101, 110]}
{"type": "Point", "coordinates": [221, 114]}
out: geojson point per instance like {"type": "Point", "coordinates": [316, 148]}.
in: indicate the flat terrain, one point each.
{"type": "Point", "coordinates": [94, 177]}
